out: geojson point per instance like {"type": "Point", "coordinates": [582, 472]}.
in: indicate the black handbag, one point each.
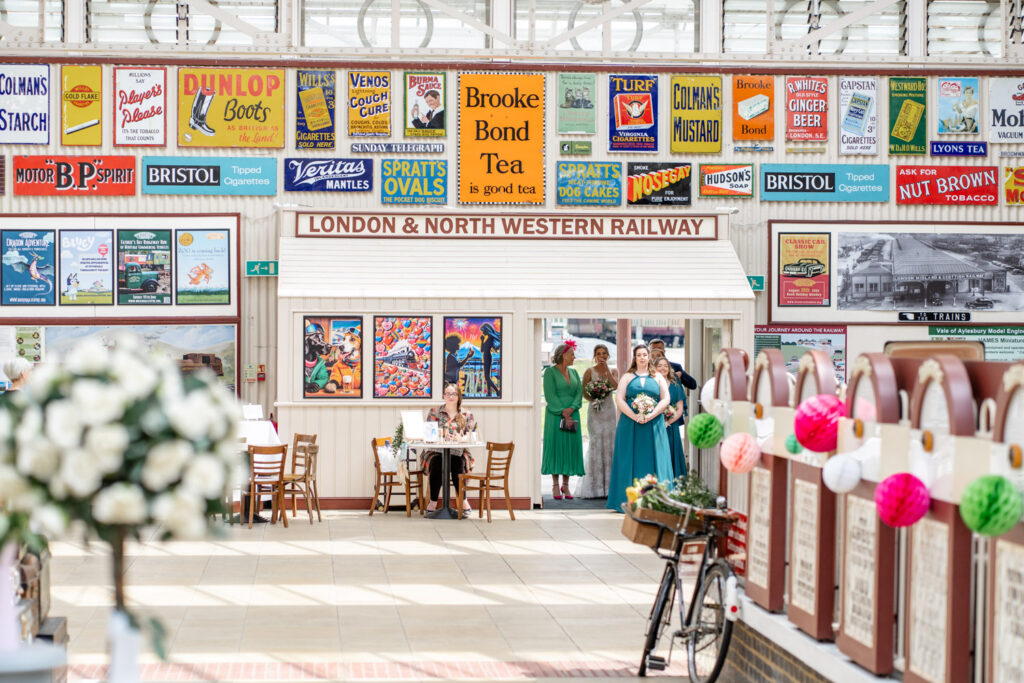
{"type": "Point", "coordinates": [567, 425]}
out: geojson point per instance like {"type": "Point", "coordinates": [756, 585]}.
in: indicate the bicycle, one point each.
{"type": "Point", "coordinates": [714, 605]}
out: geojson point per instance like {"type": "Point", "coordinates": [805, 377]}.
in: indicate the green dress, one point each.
{"type": "Point", "coordinates": [563, 451]}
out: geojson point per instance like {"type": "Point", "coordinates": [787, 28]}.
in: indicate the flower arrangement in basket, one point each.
{"type": "Point", "coordinates": [646, 500]}
{"type": "Point", "coordinates": [599, 389]}
{"type": "Point", "coordinates": [644, 404]}
{"type": "Point", "coordinates": [112, 441]}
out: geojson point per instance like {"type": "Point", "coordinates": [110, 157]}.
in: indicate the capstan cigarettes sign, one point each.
{"type": "Point", "coordinates": [507, 226]}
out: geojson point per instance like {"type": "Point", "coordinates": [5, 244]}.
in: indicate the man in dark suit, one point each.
{"type": "Point", "coordinates": [434, 116]}
{"type": "Point", "coordinates": [684, 378]}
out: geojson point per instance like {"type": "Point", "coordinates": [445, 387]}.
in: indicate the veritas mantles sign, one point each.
{"type": "Point", "coordinates": [507, 226]}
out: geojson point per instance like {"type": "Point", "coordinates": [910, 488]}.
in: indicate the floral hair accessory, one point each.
{"type": "Point", "coordinates": [571, 343]}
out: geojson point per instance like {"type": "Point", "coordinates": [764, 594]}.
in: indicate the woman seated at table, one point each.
{"type": "Point", "coordinates": [453, 424]}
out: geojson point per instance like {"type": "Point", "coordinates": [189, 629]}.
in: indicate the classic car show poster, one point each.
{"type": "Point", "coordinates": [1013, 185]}
{"type": "Point", "coordinates": [726, 180]}
{"type": "Point", "coordinates": [947, 185]}
{"type": "Point", "coordinates": [695, 120]}
{"type": "Point", "coordinates": [401, 357]}
{"type": "Point", "coordinates": [332, 357]}
{"type": "Point", "coordinates": [29, 268]}
{"type": "Point", "coordinates": [589, 183]}
{"type": "Point", "coordinates": [86, 268]}
{"type": "Point", "coordinates": [658, 183]}
{"type": "Point", "coordinates": [501, 138]}
{"type": "Point", "coordinates": [25, 110]}
{"type": "Point", "coordinates": [807, 108]}
{"type": "Point", "coordinates": [958, 106]}
{"type": "Point", "coordinates": [793, 341]}
{"type": "Point", "coordinates": [81, 105]}
{"type": "Point", "coordinates": [144, 266]}
{"type": "Point", "coordinates": [413, 181]}
{"type": "Point", "coordinates": [231, 107]}
{"type": "Point", "coordinates": [424, 104]}
{"type": "Point", "coordinates": [1006, 109]}
{"type": "Point", "coordinates": [61, 176]}
{"type": "Point", "coordinates": [472, 356]}
{"type": "Point", "coordinates": [203, 267]}
{"type": "Point", "coordinates": [858, 115]}
{"type": "Point", "coordinates": [576, 99]}
{"type": "Point", "coordinates": [315, 107]}
{"type": "Point", "coordinates": [369, 104]}
{"type": "Point", "coordinates": [753, 108]}
{"type": "Point", "coordinates": [140, 106]}
{"type": "Point", "coordinates": [908, 121]}
{"type": "Point", "coordinates": [804, 275]}
{"type": "Point", "coordinates": [632, 113]}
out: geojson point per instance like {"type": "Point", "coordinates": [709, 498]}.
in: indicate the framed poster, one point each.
{"type": "Point", "coordinates": [633, 113]}
{"type": "Point", "coordinates": [86, 268]}
{"type": "Point", "coordinates": [805, 269]}
{"type": "Point", "coordinates": [140, 106]}
{"type": "Point", "coordinates": [230, 107]}
{"type": "Point", "coordinates": [332, 356]}
{"type": "Point", "coordinates": [577, 111]}
{"type": "Point", "coordinates": [144, 266]}
{"type": "Point", "coordinates": [472, 355]}
{"type": "Point", "coordinates": [81, 105]}
{"type": "Point", "coordinates": [25, 117]}
{"type": "Point", "coordinates": [401, 356]}
{"type": "Point", "coordinates": [958, 106]}
{"type": "Point", "coordinates": [908, 119]}
{"type": "Point", "coordinates": [28, 270]}
{"type": "Point", "coordinates": [369, 104]}
{"type": "Point", "coordinates": [203, 267]}
{"type": "Point", "coordinates": [314, 109]}
{"type": "Point", "coordinates": [424, 104]}
{"type": "Point", "coordinates": [793, 341]}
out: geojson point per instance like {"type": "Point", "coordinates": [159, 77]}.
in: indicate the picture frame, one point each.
{"type": "Point", "coordinates": [332, 356]}
{"type": "Point", "coordinates": [402, 356]}
{"type": "Point", "coordinates": [475, 360]}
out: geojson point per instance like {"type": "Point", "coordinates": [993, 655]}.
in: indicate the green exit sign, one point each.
{"type": "Point", "coordinates": [261, 268]}
{"type": "Point", "coordinates": [756, 282]}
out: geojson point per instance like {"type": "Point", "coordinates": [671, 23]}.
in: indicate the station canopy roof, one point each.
{"type": "Point", "coordinates": [333, 267]}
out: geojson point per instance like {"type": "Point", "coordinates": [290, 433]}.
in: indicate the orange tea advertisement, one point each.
{"type": "Point", "coordinates": [81, 105]}
{"type": "Point", "coordinates": [501, 138]}
{"type": "Point", "coordinates": [753, 108]}
{"type": "Point", "coordinates": [230, 107]}
{"type": "Point", "coordinates": [804, 274]}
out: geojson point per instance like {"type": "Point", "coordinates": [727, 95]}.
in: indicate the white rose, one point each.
{"type": "Point", "coordinates": [39, 460]}
{"type": "Point", "coordinates": [88, 358]}
{"type": "Point", "coordinates": [171, 388]}
{"type": "Point", "coordinates": [58, 488]}
{"type": "Point", "coordinates": [182, 513]}
{"type": "Point", "coordinates": [40, 383]}
{"type": "Point", "coordinates": [49, 520]}
{"type": "Point", "coordinates": [164, 464]}
{"type": "Point", "coordinates": [29, 429]}
{"type": "Point", "coordinates": [137, 378]}
{"type": "Point", "coordinates": [16, 491]}
{"type": "Point", "coordinates": [153, 421]}
{"type": "Point", "coordinates": [81, 473]}
{"type": "Point", "coordinates": [205, 476]}
{"type": "Point", "coordinates": [62, 424]}
{"type": "Point", "coordinates": [108, 443]}
{"type": "Point", "coordinates": [120, 503]}
{"type": "Point", "coordinates": [191, 416]}
{"type": "Point", "coordinates": [98, 402]}
{"type": "Point", "coordinates": [6, 426]}
{"type": "Point", "coordinates": [126, 341]}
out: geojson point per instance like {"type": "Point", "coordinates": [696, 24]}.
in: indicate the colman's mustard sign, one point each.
{"type": "Point", "coordinates": [230, 107]}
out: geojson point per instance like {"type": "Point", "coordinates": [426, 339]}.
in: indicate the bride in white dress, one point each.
{"type": "Point", "coordinates": [601, 420]}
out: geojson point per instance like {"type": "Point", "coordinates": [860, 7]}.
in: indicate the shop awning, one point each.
{"type": "Point", "coordinates": [507, 269]}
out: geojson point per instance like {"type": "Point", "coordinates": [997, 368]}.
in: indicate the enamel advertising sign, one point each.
{"type": "Point", "coordinates": [858, 115]}
{"type": "Point", "coordinates": [695, 122]}
{"type": "Point", "coordinates": [74, 176]}
{"type": "Point", "coordinates": [81, 105]}
{"type": "Point", "coordinates": [633, 113]}
{"type": "Point", "coordinates": [424, 105]}
{"type": "Point", "coordinates": [658, 183]}
{"type": "Point", "coordinates": [947, 185]}
{"type": "Point", "coordinates": [908, 122]}
{"type": "Point", "coordinates": [409, 181]}
{"type": "Point", "coordinates": [589, 183]}
{"type": "Point", "coordinates": [24, 104]}
{"type": "Point", "coordinates": [1006, 109]}
{"type": "Point", "coordinates": [314, 109]}
{"type": "Point", "coordinates": [753, 108]}
{"type": "Point", "coordinates": [958, 106]}
{"type": "Point", "coordinates": [140, 107]}
{"type": "Point", "coordinates": [209, 175]}
{"type": "Point", "coordinates": [726, 180]}
{"type": "Point", "coordinates": [576, 101]}
{"type": "Point", "coordinates": [230, 107]}
{"type": "Point", "coordinates": [1013, 185]}
{"type": "Point", "coordinates": [369, 104]}
{"type": "Point", "coordinates": [328, 175]}
{"type": "Point", "coordinates": [807, 108]}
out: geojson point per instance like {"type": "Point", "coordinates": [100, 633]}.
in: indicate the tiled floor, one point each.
{"type": "Point", "coordinates": [551, 595]}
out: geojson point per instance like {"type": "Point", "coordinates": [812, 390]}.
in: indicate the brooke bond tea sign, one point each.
{"type": "Point", "coordinates": [695, 122]}
{"type": "Point", "coordinates": [1006, 110]}
{"type": "Point", "coordinates": [24, 104]}
{"type": "Point", "coordinates": [81, 105]}
{"type": "Point", "coordinates": [140, 107]}
{"type": "Point", "coordinates": [807, 108]}
{"type": "Point", "coordinates": [328, 175]}
{"type": "Point", "coordinates": [658, 183]}
{"type": "Point", "coordinates": [230, 107]}
{"type": "Point", "coordinates": [947, 185]}
{"type": "Point", "coordinates": [726, 180]}
{"type": "Point", "coordinates": [633, 113]}
{"type": "Point", "coordinates": [74, 176]}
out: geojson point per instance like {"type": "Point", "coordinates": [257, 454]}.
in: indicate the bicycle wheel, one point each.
{"type": "Point", "coordinates": [661, 614]}
{"type": "Point", "coordinates": [709, 631]}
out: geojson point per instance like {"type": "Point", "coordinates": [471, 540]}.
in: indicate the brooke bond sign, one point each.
{"type": "Point", "coordinates": [507, 226]}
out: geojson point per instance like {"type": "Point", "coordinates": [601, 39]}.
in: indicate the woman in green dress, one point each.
{"type": "Point", "coordinates": [563, 439]}
{"type": "Point", "coordinates": [675, 401]}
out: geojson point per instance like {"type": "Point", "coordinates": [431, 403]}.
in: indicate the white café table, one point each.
{"type": "Point", "coordinates": [446, 448]}
{"type": "Point", "coordinates": [256, 433]}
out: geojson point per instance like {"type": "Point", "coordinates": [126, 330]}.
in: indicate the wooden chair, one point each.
{"type": "Point", "coordinates": [266, 476]}
{"type": "Point", "coordinates": [300, 481]}
{"type": "Point", "coordinates": [389, 479]}
{"type": "Point", "coordinates": [494, 478]}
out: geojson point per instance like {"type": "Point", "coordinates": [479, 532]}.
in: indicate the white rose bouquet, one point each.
{"type": "Point", "coordinates": [116, 440]}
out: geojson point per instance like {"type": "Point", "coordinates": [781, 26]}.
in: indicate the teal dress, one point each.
{"type": "Point", "coordinates": [563, 451]}
{"type": "Point", "coordinates": [675, 441]}
{"type": "Point", "coordinates": [640, 449]}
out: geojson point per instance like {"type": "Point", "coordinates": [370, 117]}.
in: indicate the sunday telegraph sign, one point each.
{"type": "Point", "coordinates": [507, 226]}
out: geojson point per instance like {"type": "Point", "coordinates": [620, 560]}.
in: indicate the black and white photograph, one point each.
{"type": "Point", "coordinates": [902, 271]}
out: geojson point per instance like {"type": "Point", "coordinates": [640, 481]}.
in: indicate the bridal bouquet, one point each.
{"type": "Point", "coordinates": [598, 389]}
{"type": "Point", "coordinates": [669, 412]}
{"type": "Point", "coordinates": [644, 404]}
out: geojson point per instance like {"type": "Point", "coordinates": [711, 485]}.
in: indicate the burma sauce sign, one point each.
{"type": "Point", "coordinates": [230, 107]}
{"type": "Point", "coordinates": [501, 138]}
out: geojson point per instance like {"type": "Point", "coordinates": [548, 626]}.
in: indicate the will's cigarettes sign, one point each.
{"type": "Point", "coordinates": [78, 175]}
{"type": "Point", "coordinates": [81, 105]}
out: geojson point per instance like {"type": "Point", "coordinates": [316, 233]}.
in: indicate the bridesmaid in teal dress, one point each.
{"type": "Point", "coordinates": [641, 441]}
{"type": "Point", "coordinates": [675, 399]}
{"type": "Point", "coordinates": [563, 393]}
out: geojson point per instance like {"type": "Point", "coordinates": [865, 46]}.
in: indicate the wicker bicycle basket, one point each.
{"type": "Point", "coordinates": [635, 530]}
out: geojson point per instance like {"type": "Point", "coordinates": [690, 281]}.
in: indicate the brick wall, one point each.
{"type": "Point", "coordinates": [753, 658]}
